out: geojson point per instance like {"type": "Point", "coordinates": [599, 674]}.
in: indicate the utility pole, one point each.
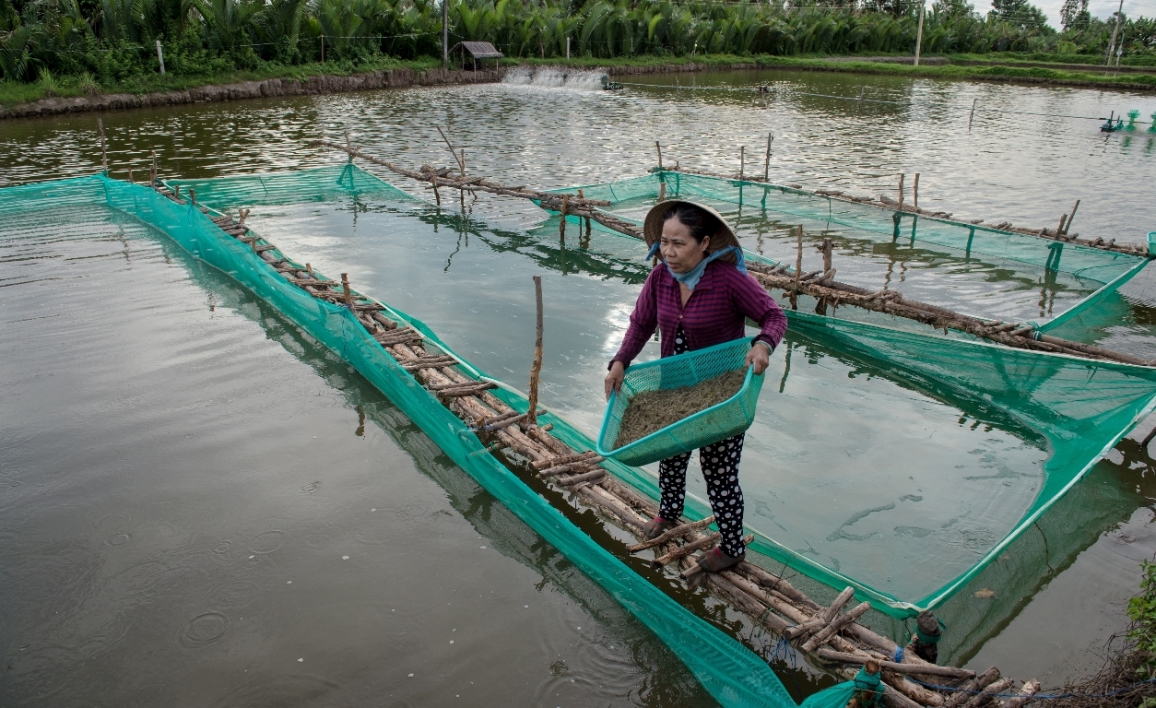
{"type": "Point", "coordinates": [446, 34]}
{"type": "Point", "coordinates": [1115, 29]}
{"type": "Point", "coordinates": [919, 35]}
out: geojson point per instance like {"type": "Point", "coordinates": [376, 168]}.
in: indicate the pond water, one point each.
{"type": "Point", "coordinates": [187, 473]}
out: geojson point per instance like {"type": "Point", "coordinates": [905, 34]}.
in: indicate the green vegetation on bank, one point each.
{"type": "Point", "coordinates": [14, 92]}
{"type": "Point", "coordinates": [97, 44]}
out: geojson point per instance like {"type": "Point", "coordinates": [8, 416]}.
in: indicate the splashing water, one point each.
{"type": "Point", "coordinates": [556, 77]}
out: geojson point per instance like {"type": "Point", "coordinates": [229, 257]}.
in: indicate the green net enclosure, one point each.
{"type": "Point", "coordinates": [972, 269]}
{"type": "Point", "coordinates": [734, 675]}
{"type": "Point", "coordinates": [900, 463]}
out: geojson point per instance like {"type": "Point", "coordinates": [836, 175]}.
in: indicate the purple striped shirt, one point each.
{"type": "Point", "coordinates": [715, 313]}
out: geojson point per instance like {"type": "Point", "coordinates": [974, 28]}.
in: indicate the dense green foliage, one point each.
{"type": "Point", "coordinates": [87, 43]}
{"type": "Point", "coordinates": [1142, 612]}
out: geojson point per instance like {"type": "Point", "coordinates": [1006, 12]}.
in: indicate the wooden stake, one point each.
{"type": "Point", "coordinates": [536, 367]}
{"type": "Point", "coordinates": [662, 191]}
{"type": "Point", "coordinates": [453, 152]}
{"type": "Point", "coordinates": [349, 146]}
{"type": "Point", "coordinates": [130, 179]}
{"type": "Point", "coordinates": [345, 287]}
{"type": "Point", "coordinates": [901, 176]}
{"type": "Point", "coordinates": [1060, 228]}
{"type": "Point", "coordinates": [1068, 227]}
{"type": "Point", "coordinates": [915, 191]}
{"type": "Point", "coordinates": [562, 215]}
{"type": "Point", "coordinates": [192, 196]}
{"type": "Point", "coordinates": [742, 160]}
{"type": "Point", "coordinates": [859, 103]}
{"type": "Point", "coordinates": [153, 171]}
{"type": "Point", "coordinates": [798, 270]}
{"type": "Point", "coordinates": [658, 147]}
{"type": "Point", "coordinates": [767, 161]}
{"type": "Point", "coordinates": [103, 146]}
{"type": "Point", "coordinates": [309, 270]}
{"type": "Point", "coordinates": [971, 117]}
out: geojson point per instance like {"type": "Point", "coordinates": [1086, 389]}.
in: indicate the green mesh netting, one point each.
{"type": "Point", "coordinates": [997, 274]}
{"type": "Point", "coordinates": [1080, 408]}
{"type": "Point", "coordinates": [730, 672]}
{"type": "Point", "coordinates": [718, 422]}
{"type": "Point", "coordinates": [1071, 409]}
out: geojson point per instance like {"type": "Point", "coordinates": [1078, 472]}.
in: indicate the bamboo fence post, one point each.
{"type": "Point", "coordinates": [130, 179]}
{"type": "Point", "coordinates": [915, 192]}
{"type": "Point", "coordinates": [346, 289]}
{"type": "Point", "coordinates": [859, 102]}
{"type": "Point", "coordinates": [453, 151]}
{"type": "Point", "coordinates": [192, 196]}
{"type": "Point", "coordinates": [536, 367]}
{"type": "Point", "coordinates": [798, 269]}
{"type": "Point", "coordinates": [581, 195]}
{"type": "Point", "coordinates": [658, 146]}
{"type": "Point", "coordinates": [1068, 227]}
{"type": "Point", "coordinates": [309, 270]}
{"type": "Point", "coordinates": [1060, 228]}
{"type": "Point", "coordinates": [153, 171]}
{"type": "Point", "coordinates": [901, 176]}
{"type": "Point", "coordinates": [103, 147]}
{"type": "Point", "coordinates": [349, 146]}
{"type": "Point", "coordinates": [742, 160]}
{"type": "Point", "coordinates": [767, 160]}
{"type": "Point", "coordinates": [463, 191]}
{"type": "Point", "coordinates": [562, 215]}
{"type": "Point", "coordinates": [971, 117]}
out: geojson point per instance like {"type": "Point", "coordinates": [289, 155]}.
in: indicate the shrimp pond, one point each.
{"type": "Point", "coordinates": [201, 505]}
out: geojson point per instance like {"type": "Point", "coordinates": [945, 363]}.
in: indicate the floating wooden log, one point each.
{"type": "Point", "coordinates": [963, 691]}
{"type": "Point", "coordinates": [822, 636]}
{"type": "Point", "coordinates": [832, 656]}
{"type": "Point", "coordinates": [672, 534]}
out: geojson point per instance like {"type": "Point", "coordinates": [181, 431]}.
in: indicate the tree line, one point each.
{"type": "Point", "coordinates": [114, 40]}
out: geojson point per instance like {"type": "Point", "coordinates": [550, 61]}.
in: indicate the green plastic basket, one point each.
{"type": "Point", "coordinates": [718, 422]}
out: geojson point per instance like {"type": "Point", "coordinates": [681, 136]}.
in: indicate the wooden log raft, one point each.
{"type": "Point", "coordinates": [527, 448]}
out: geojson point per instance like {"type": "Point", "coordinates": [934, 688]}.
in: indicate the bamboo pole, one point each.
{"type": "Point", "coordinates": [658, 146]}
{"type": "Point", "coordinates": [153, 171]}
{"type": "Point", "coordinates": [915, 192]}
{"type": "Point", "coordinates": [1068, 226]}
{"type": "Point", "coordinates": [345, 287]}
{"type": "Point", "coordinates": [103, 147]}
{"type": "Point", "coordinates": [767, 160]}
{"type": "Point", "coordinates": [971, 116]}
{"type": "Point", "coordinates": [536, 367]}
{"type": "Point", "coordinates": [449, 145]}
{"type": "Point", "coordinates": [901, 176]}
{"type": "Point", "coordinates": [742, 160]}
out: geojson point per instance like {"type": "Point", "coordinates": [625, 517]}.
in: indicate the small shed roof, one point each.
{"type": "Point", "coordinates": [479, 50]}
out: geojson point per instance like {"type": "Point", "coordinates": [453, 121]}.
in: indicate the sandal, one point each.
{"type": "Point", "coordinates": [656, 527]}
{"type": "Point", "coordinates": [715, 560]}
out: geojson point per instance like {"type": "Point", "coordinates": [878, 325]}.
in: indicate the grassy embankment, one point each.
{"type": "Point", "coordinates": [996, 67]}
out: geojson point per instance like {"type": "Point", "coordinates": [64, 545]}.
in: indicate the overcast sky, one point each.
{"type": "Point", "coordinates": [1099, 8]}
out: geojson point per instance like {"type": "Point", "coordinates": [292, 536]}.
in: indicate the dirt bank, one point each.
{"type": "Point", "coordinates": [391, 78]}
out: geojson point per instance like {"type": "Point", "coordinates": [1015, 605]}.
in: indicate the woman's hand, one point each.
{"type": "Point", "coordinates": [614, 378]}
{"type": "Point", "coordinates": [759, 357]}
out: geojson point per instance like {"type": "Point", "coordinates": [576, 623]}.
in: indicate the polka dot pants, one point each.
{"type": "Point", "coordinates": [720, 470]}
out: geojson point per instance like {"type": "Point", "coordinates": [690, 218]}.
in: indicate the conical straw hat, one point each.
{"type": "Point", "coordinates": [652, 228]}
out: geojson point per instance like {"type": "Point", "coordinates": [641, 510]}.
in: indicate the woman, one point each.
{"type": "Point", "coordinates": [700, 295]}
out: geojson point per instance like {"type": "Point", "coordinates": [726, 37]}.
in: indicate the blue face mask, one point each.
{"type": "Point", "coordinates": [691, 277]}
